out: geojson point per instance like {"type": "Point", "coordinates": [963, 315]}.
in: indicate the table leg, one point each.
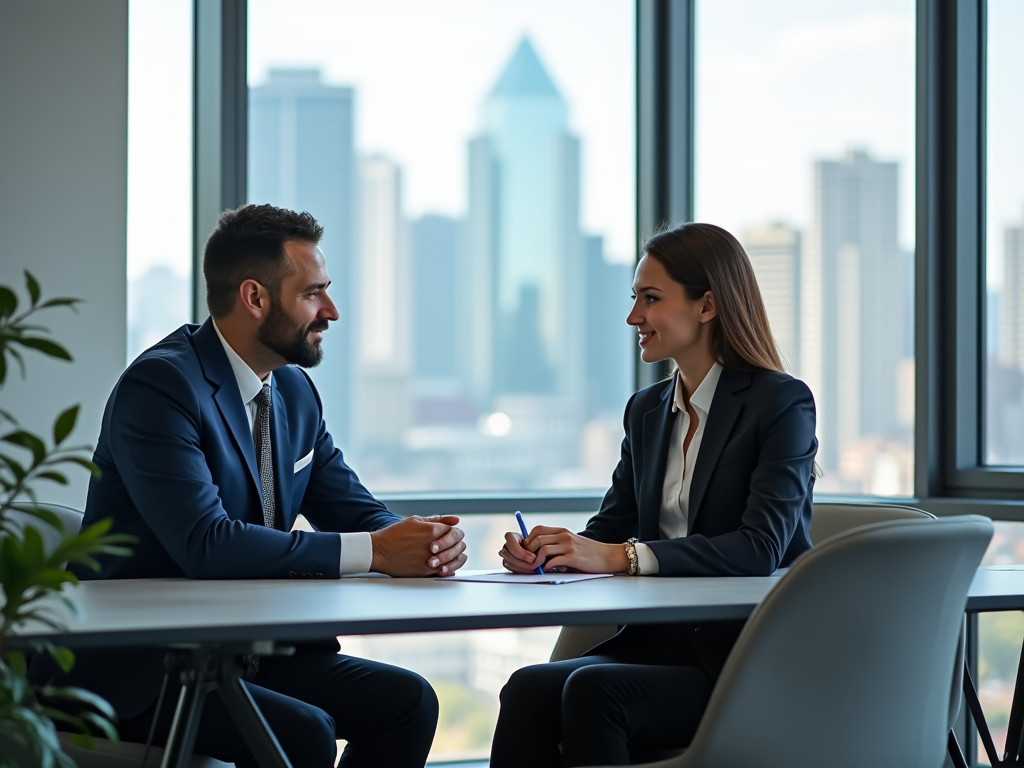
{"type": "Point", "coordinates": [974, 705]}
{"type": "Point", "coordinates": [955, 753]}
{"type": "Point", "coordinates": [1015, 728]}
{"type": "Point", "coordinates": [218, 668]}
{"type": "Point", "coordinates": [182, 737]}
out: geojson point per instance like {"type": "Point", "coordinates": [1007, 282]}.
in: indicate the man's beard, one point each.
{"type": "Point", "coordinates": [280, 334]}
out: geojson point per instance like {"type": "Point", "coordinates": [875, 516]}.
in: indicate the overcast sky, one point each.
{"type": "Point", "coordinates": [779, 84]}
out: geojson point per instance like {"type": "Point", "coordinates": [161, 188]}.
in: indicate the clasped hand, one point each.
{"type": "Point", "coordinates": [559, 549]}
{"type": "Point", "coordinates": [419, 546]}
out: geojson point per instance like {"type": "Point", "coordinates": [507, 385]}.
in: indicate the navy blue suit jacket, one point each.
{"type": "Point", "coordinates": [750, 496]}
{"type": "Point", "coordinates": [180, 474]}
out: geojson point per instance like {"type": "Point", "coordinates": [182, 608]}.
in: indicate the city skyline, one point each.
{"type": "Point", "coordinates": [437, 396]}
{"type": "Point", "coordinates": [839, 298]}
{"type": "Point", "coordinates": [495, 398]}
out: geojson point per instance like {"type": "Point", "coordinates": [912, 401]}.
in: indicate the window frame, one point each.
{"type": "Point", "coordinates": [951, 477]}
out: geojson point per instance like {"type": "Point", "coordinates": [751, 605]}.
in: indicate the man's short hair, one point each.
{"type": "Point", "coordinates": [248, 243]}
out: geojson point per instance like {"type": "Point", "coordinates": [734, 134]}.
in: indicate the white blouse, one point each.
{"type": "Point", "coordinates": [675, 496]}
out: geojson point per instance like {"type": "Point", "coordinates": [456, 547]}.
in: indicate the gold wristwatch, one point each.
{"type": "Point", "coordinates": [634, 562]}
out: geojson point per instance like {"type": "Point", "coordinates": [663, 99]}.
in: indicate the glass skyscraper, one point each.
{"type": "Point", "coordinates": [301, 156]}
{"type": "Point", "coordinates": [525, 254]}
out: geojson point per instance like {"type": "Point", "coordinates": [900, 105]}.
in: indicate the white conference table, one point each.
{"type": "Point", "coordinates": [132, 612]}
{"type": "Point", "coordinates": [207, 614]}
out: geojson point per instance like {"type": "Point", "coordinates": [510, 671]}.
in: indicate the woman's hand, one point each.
{"type": "Point", "coordinates": [559, 549]}
{"type": "Point", "coordinates": [514, 557]}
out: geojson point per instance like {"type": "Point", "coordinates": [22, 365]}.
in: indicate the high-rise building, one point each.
{"type": "Point", "coordinates": [383, 307]}
{"type": "Point", "coordinates": [774, 251]}
{"type": "Point", "coordinates": [301, 157]}
{"type": "Point", "coordinates": [435, 248]}
{"type": "Point", "coordinates": [851, 294]}
{"type": "Point", "coordinates": [523, 267]}
{"type": "Point", "coordinates": [610, 342]}
{"type": "Point", "coordinates": [441, 325]}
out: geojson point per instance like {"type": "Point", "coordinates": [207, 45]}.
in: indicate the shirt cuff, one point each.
{"type": "Point", "coordinates": [356, 552]}
{"type": "Point", "coordinates": [647, 561]}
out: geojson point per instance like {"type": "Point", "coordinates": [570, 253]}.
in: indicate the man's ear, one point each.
{"type": "Point", "coordinates": [255, 299]}
{"type": "Point", "coordinates": [708, 307]}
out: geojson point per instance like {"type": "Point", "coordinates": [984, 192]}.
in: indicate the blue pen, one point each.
{"type": "Point", "coordinates": [522, 527]}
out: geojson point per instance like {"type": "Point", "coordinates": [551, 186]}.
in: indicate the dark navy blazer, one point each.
{"type": "Point", "coordinates": [750, 496]}
{"type": "Point", "coordinates": [179, 473]}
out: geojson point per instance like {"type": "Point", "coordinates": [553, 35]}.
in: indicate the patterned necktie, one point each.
{"type": "Point", "coordinates": [265, 456]}
{"type": "Point", "coordinates": [265, 459]}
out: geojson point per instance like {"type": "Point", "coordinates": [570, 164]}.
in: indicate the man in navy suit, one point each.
{"type": "Point", "coordinates": [212, 442]}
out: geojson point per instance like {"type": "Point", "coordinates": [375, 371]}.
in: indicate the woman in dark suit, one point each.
{"type": "Point", "coordinates": [715, 479]}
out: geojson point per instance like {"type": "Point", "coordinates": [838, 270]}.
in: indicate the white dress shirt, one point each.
{"type": "Point", "coordinates": [675, 495]}
{"type": "Point", "coordinates": [356, 548]}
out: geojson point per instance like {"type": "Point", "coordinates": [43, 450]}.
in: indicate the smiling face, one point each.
{"type": "Point", "coordinates": [300, 311]}
{"type": "Point", "coordinates": [671, 325]}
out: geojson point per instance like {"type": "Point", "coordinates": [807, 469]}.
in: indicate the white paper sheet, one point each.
{"type": "Point", "coordinates": [504, 577]}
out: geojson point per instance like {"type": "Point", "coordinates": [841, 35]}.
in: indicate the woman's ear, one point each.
{"type": "Point", "coordinates": [708, 307]}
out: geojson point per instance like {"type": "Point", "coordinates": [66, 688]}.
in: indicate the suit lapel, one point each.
{"type": "Point", "coordinates": [725, 408]}
{"type": "Point", "coordinates": [658, 423]}
{"type": "Point", "coordinates": [279, 439]}
{"type": "Point", "coordinates": [217, 371]}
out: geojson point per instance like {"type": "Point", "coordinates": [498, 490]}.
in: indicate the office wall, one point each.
{"type": "Point", "coordinates": [63, 168]}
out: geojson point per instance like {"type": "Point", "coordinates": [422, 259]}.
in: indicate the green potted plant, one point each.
{"type": "Point", "coordinates": [30, 576]}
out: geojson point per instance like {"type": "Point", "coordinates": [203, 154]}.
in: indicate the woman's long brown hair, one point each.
{"type": "Point", "coordinates": [703, 257]}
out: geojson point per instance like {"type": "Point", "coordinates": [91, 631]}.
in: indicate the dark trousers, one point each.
{"type": "Point", "coordinates": [387, 714]}
{"type": "Point", "coordinates": [599, 710]}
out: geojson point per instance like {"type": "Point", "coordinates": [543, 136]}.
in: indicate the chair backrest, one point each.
{"type": "Point", "coordinates": [71, 519]}
{"type": "Point", "coordinates": [828, 520]}
{"type": "Point", "coordinates": [848, 661]}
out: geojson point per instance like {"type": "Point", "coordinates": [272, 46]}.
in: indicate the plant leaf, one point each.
{"type": "Point", "coordinates": [65, 658]}
{"type": "Point", "coordinates": [55, 477]}
{"type": "Point", "coordinates": [17, 662]}
{"type": "Point", "coordinates": [8, 302]}
{"type": "Point", "coordinates": [64, 424]}
{"type": "Point", "coordinates": [46, 346]}
{"type": "Point", "coordinates": [33, 287]}
{"type": "Point", "coordinates": [32, 551]}
{"type": "Point", "coordinates": [14, 466]}
{"type": "Point", "coordinates": [26, 439]}
{"type": "Point", "coordinates": [79, 695]}
{"type": "Point", "coordinates": [59, 302]}
{"type": "Point", "coordinates": [93, 469]}
{"type": "Point", "coordinates": [102, 724]}
{"type": "Point", "coordinates": [17, 358]}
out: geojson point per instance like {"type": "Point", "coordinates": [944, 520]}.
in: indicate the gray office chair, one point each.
{"type": "Point", "coordinates": [828, 520]}
{"type": "Point", "coordinates": [106, 753]}
{"type": "Point", "coordinates": [69, 517]}
{"type": "Point", "coordinates": [877, 609]}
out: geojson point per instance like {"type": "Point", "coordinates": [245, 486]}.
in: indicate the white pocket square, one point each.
{"type": "Point", "coordinates": [301, 463]}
